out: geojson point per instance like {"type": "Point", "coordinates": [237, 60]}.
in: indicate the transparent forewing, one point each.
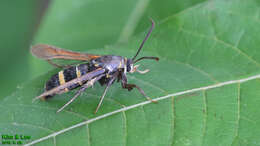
{"type": "Point", "coordinates": [48, 52]}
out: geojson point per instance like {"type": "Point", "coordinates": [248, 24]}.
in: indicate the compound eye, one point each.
{"type": "Point", "coordinates": [129, 67]}
{"type": "Point", "coordinates": [129, 64]}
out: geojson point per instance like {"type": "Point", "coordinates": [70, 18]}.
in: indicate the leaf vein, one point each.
{"type": "Point", "coordinates": [87, 128]}
{"type": "Point", "coordinates": [205, 111]}
{"type": "Point", "coordinates": [125, 123]}
{"type": "Point", "coordinates": [146, 102]}
{"type": "Point", "coordinates": [54, 141]}
{"type": "Point", "coordinates": [238, 113]}
{"type": "Point", "coordinates": [224, 43]}
{"type": "Point", "coordinates": [173, 120]}
{"type": "Point", "coordinates": [44, 107]}
{"type": "Point", "coordinates": [30, 125]}
{"type": "Point", "coordinates": [183, 11]}
{"type": "Point", "coordinates": [200, 71]}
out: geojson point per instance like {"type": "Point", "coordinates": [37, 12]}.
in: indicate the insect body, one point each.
{"type": "Point", "coordinates": [67, 75]}
{"type": "Point", "coordinates": [104, 69]}
{"type": "Point", "coordinates": [108, 62]}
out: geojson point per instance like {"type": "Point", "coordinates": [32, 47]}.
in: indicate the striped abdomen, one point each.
{"type": "Point", "coordinates": [66, 75]}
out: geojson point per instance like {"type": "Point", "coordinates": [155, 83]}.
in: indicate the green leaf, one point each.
{"type": "Point", "coordinates": [206, 82]}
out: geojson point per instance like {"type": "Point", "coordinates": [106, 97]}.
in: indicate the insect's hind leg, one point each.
{"type": "Point", "coordinates": [104, 93]}
{"type": "Point", "coordinates": [82, 89]}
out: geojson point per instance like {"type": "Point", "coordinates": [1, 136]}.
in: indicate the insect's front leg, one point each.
{"type": "Point", "coordinates": [119, 77]}
{"type": "Point", "coordinates": [124, 84]}
{"type": "Point", "coordinates": [129, 87]}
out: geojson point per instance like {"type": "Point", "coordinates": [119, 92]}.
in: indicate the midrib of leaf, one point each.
{"type": "Point", "coordinates": [145, 103]}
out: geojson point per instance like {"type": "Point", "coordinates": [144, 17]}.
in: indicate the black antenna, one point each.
{"type": "Point", "coordinates": [146, 37]}
{"type": "Point", "coordinates": [147, 57]}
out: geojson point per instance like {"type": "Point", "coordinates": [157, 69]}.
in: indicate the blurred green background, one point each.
{"type": "Point", "coordinates": [19, 21]}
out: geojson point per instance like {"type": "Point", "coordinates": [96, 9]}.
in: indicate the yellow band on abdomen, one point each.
{"type": "Point", "coordinates": [62, 80]}
{"type": "Point", "coordinates": [78, 74]}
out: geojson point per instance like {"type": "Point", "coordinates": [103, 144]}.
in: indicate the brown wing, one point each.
{"type": "Point", "coordinates": [48, 52]}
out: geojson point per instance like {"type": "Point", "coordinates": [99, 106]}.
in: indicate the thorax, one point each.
{"type": "Point", "coordinates": [110, 63]}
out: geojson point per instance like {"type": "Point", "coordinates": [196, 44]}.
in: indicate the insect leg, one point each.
{"type": "Point", "coordinates": [129, 87]}
{"type": "Point", "coordinates": [82, 89]}
{"type": "Point", "coordinates": [104, 93]}
{"type": "Point", "coordinates": [74, 97]}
